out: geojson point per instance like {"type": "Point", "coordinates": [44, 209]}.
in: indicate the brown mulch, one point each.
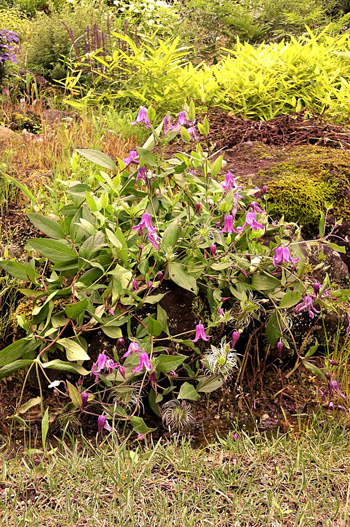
{"type": "Point", "coordinates": [227, 131]}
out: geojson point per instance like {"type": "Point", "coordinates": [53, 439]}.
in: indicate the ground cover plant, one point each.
{"type": "Point", "coordinates": [115, 248]}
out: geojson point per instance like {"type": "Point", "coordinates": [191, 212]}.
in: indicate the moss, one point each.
{"type": "Point", "coordinates": [313, 179]}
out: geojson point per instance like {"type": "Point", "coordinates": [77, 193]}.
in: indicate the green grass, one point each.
{"type": "Point", "coordinates": [293, 480]}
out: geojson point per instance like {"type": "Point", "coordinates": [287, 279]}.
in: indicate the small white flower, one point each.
{"type": "Point", "coordinates": [221, 360]}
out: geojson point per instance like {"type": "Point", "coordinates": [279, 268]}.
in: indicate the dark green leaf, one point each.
{"type": "Point", "coordinates": [46, 225]}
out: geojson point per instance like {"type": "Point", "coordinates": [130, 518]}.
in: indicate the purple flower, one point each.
{"type": "Point", "coordinates": [142, 118]}
{"type": "Point", "coordinates": [213, 249]}
{"type": "Point", "coordinates": [282, 255]}
{"type": "Point", "coordinates": [145, 223]}
{"type": "Point", "coordinates": [230, 183]}
{"type": "Point", "coordinates": [255, 207]}
{"type": "Point", "coordinates": [309, 305]}
{"type": "Point", "coordinates": [198, 207]}
{"type": "Point", "coordinates": [182, 119]}
{"type": "Point", "coordinates": [228, 224]}
{"type": "Point", "coordinates": [200, 333]}
{"type": "Point", "coordinates": [235, 337]}
{"type": "Point", "coordinates": [220, 311]}
{"type": "Point", "coordinates": [102, 423]}
{"type": "Point", "coordinates": [235, 436]}
{"type": "Point", "coordinates": [122, 371]}
{"type": "Point", "coordinates": [144, 362]}
{"type": "Point", "coordinates": [252, 222]}
{"type": "Point", "coordinates": [133, 348]}
{"type": "Point", "coordinates": [167, 124]}
{"type": "Point", "coordinates": [141, 174]}
{"type": "Point", "coordinates": [280, 347]}
{"type": "Point", "coordinates": [121, 342]}
{"type": "Point", "coordinates": [316, 287]}
{"type": "Point", "coordinates": [99, 365]}
{"type": "Point", "coordinates": [193, 133]}
{"type": "Point", "coordinates": [333, 386]}
{"type": "Point", "coordinates": [154, 240]}
{"type": "Point", "coordinates": [84, 399]}
{"type": "Point", "coordinates": [131, 158]}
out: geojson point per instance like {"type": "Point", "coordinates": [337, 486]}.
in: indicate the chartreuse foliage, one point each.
{"type": "Point", "coordinates": [261, 82]}
{"type": "Point", "coordinates": [113, 247]}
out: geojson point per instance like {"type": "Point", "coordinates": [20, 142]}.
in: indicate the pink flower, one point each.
{"type": "Point", "coordinates": [182, 119]}
{"type": "Point", "coordinates": [167, 124]}
{"type": "Point", "coordinates": [255, 207]}
{"type": "Point", "coordinates": [213, 249]}
{"type": "Point", "coordinates": [198, 207]}
{"type": "Point", "coordinates": [154, 240]}
{"type": "Point", "coordinates": [122, 371]}
{"type": "Point", "coordinates": [102, 423]}
{"type": "Point", "coordinates": [144, 362]}
{"type": "Point", "coordinates": [84, 399]}
{"type": "Point", "coordinates": [251, 221]}
{"type": "Point", "coordinates": [228, 224]}
{"type": "Point", "coordinates": [200, 333]}
{"type": "Point", "coordinates": [141, 174]}
{"type": "Point", "coordinates": [235, 337]}
{"type": "Point", "coordinates": [145, 223]}
{"type": "Point", "coordinates": [309, 305]}
{"type": "Point", "coordinates": [99, 365]}
{"type": "Point", "coordinates": [282, 255]}
{"type": "Point", "coordinates": [133, 348]}
{"type": "Point", "coordinates": [230, 183]}
{"type": "Point", "coordinates": [280, 347]}
{"type": "Point", "coordinates": [132, 158]}
{"type": "Point", "coordinates": [193, 133]}
{"type": "Point", "coordinates": [142, 118]}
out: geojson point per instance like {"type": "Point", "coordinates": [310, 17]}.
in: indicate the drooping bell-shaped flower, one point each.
{"type": "Point", "coordinates": [309, 305]}
{"type": "Point", "coordinates": [200, 333]}
{"type": "Point", "coordinates": [198, 207]}
{"type": "Point", "coordinates": [154, 239]}
{"type": "Point", "coordinates": [182, 119]}
{"type": "Point", "coordinates": [255, 207]}
{"type": "Point", "coordinates": [145, 223]}
{"type": "Point", "coordinates": [282, 255]}
{"type": "Point", "coordinates": [132, 158]}
{"type": "Point", "coordinates": [167, 125]}
{"type": "Point", "coordinates": [144, 362]}
{"type": "Point", "coordinates": [251, 221]}
{"type": "Point", "coordinates": [84, 399]}
{"type": "Point", "coordinates": [228, 224]}
{"type": "Point", "coordinates": [235, 337]}
{"type": "Point", "coordinates": [142, 118]}
{"type": "Point", "coordinates": [133, 348]}
{"type": "Point", "coordinates": [101, 421]}
{"type": "Point", "coordinates": [141, 174]}
{"type": "Point", "coordinates": [213, 249]}
{"type": "Point", "coordinates": [99, 365]}
{"type": "Point", "coordinates": [280, 346]}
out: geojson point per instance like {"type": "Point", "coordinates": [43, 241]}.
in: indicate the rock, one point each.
{"type": "Point", "coordinates": [9, 138]}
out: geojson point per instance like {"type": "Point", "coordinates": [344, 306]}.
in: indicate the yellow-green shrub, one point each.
{"type": "Point", "coordinates": [14, 20]}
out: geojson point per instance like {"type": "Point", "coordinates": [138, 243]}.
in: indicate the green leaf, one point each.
{"type": "Point", "coordinates": [207, 386]}
{"type": "Point", "coordinates": [99, 158]}
{"type": "Point", "coordinates": [216, 166]}
{"type": "Point", "coordinates": [139, 425]}
{"type": "Point", "coordinates": [162, 318]}
{"type": "Point", "coordinates": [15, 269]}
{"type": "Point", "coordinates": [187, 391]}
{"type": "Point", "coordinates": [316, 371]}
{"type": "Point", "coordinates": [185, 135]}
{"type": "Point", "coordinates": [338, 248]}
{"type": "Point", "coordinates": [22, 187]}
{"type": "Point", "coordinates": [74, 350]}
{"type": "Point", "coordinates": [55, 251]}
{"type": "Point", "coordinates": [10, 368]}
{"type": "Point", "coordinates": [171, 235]}
{"type": "Point", "coordinates": [45, 428]}
{"type": "Point", "coordinates": [273, 331]}
{"type": "Point", "coordinates": [154, 327]}
{"type": "Point", "coordinates": [34, 401]}
{"type": "Point", "coordinates": [74, 310]}
{"type": "Point", "coordinates": [264, 282]}
{"type": "Point", "coordinates": [113, 239]}
{"type": "Point", "coordinates": [152, 402]}
{"type": "Point", "coordinates": [112, 331]}
{"type": "Point", "coordinates": [61, 365]}
{"type": "Point", "coordinates": [181, 278]}
{"type": "Point", "coordinates": [168, 363]}
{"type": "Point", "coordinates": [290, 299]}
{"type": "Point", "coordinates": [46, 225]}
{"type": "Point", "coordinates": [154, 299]}
{"type": "Point", "coordinates": [17, 350]}
{"type": "Point", "coordinates": [74, 395]}
{"type": "Point", "coordinates": [147, 156]}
